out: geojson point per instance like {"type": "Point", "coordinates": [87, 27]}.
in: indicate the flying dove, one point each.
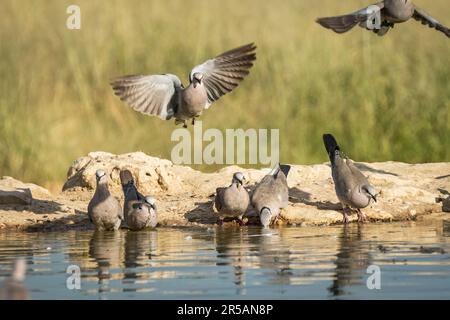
{"type": "Point", "coordinates": [13, 288]}
{"type": "Point", "coordinates": [390, 12]}
{"type": "Point", "coordinates": [232, 201]}
{"type": "Point", "coordinates": [271, 194]}
{"type": "Point", "coordinates": [165, 96]}
{"type": "Point", "coordinates": [104, 210]}
{"type": "Point", "coordinates": [139, 211]}
{"type": "Point", "coordinates": [352, 188]}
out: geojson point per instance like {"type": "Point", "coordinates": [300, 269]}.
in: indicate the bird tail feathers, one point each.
{"type": "Point", "coordinates": [127, 181]}
{"type": "Point", "coordinates": [331, 146]}
{"type": "Point", "coordinates": [285, 168]}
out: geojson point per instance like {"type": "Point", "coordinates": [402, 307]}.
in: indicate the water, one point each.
{"type": "Point", "coordinates": [237, 263]}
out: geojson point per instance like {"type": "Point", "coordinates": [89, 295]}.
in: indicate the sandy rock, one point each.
{"type": "Point", "coordinates": [185, 196]}
{"type": "Point", "coordinates": [25, 205]}
{"type": "Point", "coordinates": [11, 196]}
{"type": "Point", "coordinates": [15, 192]}
{"type": "Point", "coordinates": [152, 175]}
{"type": "Point", "coordinates": [406, 191]}
{"type": "Point", "coordinates": [37, 192]}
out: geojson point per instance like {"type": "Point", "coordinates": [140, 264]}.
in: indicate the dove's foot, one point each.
{"type": "Point", "coordinates": [361, 216]}
{"type": "Point", "coordinates": [345, 219]}
{"type": "Point", "coordinates": [220, 222]}
{"type": "Point", "coordinates": [242, 221]}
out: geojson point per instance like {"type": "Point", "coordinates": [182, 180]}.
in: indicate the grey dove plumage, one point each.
{"type": "Point", "coordinates": [271, 194]}
{"type": "Point", "coordinates": [139, 211]}
{"type": "Point", "coordinates": [129, 189]}
{"type": "Point", "coordinates": [165, 96]}
{"type": "Point", "coordinates": [390, 12]}
{"type": "Point", "coordinates": [14, 288]}
{"type": "Point", "coordinates": [352, 187]}
{"type": "Point", "coordinates": [104, 210]}
{"type": "Point", "coordinates": [142, 214]}
{"type": "Point", "coordinates": [232, 201]}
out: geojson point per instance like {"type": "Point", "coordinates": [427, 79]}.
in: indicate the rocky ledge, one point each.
{"type": "Point", "coordinates": [185, 196]}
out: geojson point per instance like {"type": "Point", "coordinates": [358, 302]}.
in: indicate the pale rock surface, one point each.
{"type": "Point", "coordinates": [185, 196]}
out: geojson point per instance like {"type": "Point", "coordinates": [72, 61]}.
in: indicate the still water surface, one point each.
{"type": "Point", "coordinates": [237, 263]}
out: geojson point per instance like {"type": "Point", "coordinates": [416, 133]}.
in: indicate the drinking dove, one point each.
{"type": "Point", "coordinates": [232, 201]}
{"type": "Point", "coordinates": [271, 194]}
{"type": "Point", "coordinates": [381, 17]}
{"type": "Point", "coordinates": [165, 96]}
{"type": "Point", "coordinates": [139, 211]}
{"type": "Point", "coordinates": [104, 210]}
{"type": "Point", "coordinates": [352, 188]}
{"type": "Point", "coordinates": [14, 288]}
{"type": "Point", "coordinates": [142, 214]}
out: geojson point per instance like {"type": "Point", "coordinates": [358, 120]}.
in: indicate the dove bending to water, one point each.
{"type": "Point", "coordinates": [139, 211]}
{"type": "Point", "coordinates": [271, 194]}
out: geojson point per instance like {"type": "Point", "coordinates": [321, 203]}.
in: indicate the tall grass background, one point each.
{"type": "Point", "coordinates": [383, 98]}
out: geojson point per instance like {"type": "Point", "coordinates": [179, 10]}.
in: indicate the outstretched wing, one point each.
{"type": "Point", "coordinates": [344, 23]}
{"type": "Point", "coordinates": [154, 95]}
{"type": "Point", "coordinates": [224, 73]}
{"type": "Point", "coordinates": [428, 20]}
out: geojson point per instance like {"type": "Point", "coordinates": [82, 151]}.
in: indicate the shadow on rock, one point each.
{"type": "Point", "coordinates": [364, 167]}
{"type": "Point", "coordinates": [202, 213]}
{"type": "Point", "coordinates": [299, 196]}
{"type": "Point", "coordinates": [78, 221]}
{"type": "Point", "coordinates": [36, 206]}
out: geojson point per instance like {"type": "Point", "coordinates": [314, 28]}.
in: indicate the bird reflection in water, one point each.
{"type": "Point", "coordinates": [273, 257]}
{"type": "Point", "coordinates": [14, 287]}
{"type": "Point", "coordinates": [106, 248]}
{"type": "Point", "coordinates": [352, 260]}
{"type": "Point", "coordinates": [250, 248]}
{"type": "Point", "coordinates": [140, 247]}
{"type": "Point", "coordinates": [232, 251]}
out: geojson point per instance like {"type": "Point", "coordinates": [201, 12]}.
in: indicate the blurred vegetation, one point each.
{"type": "Point", "coordinates": [384, 98]}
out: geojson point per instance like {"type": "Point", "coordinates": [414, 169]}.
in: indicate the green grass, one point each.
{"type": "Point", "coordinates": [383, 98]}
